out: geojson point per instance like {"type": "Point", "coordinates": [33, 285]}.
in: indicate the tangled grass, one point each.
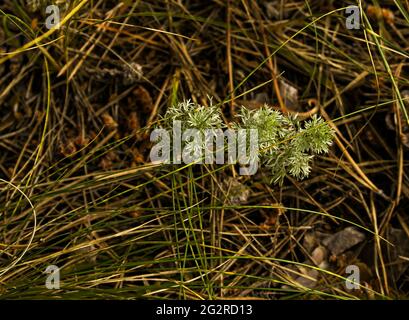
{"type": "Point", "coordinates": [77, 189]}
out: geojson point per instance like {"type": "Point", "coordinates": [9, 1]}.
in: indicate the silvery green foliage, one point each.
{"type": "Point", "coordinates": [194, 116]}
{"type": "Point", "coordinates": [287, 146]}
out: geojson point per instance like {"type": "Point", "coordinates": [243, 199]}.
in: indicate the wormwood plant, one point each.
{"type": "Point", "coordinates": [286, 145]}
{"type": "Point", "coordinates": [195, 116]}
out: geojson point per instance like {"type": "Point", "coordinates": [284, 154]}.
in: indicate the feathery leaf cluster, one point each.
{"type": "Point", "coordinates": [194, 116]}
{"type": "Point", "coordinates": [286, 145]}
